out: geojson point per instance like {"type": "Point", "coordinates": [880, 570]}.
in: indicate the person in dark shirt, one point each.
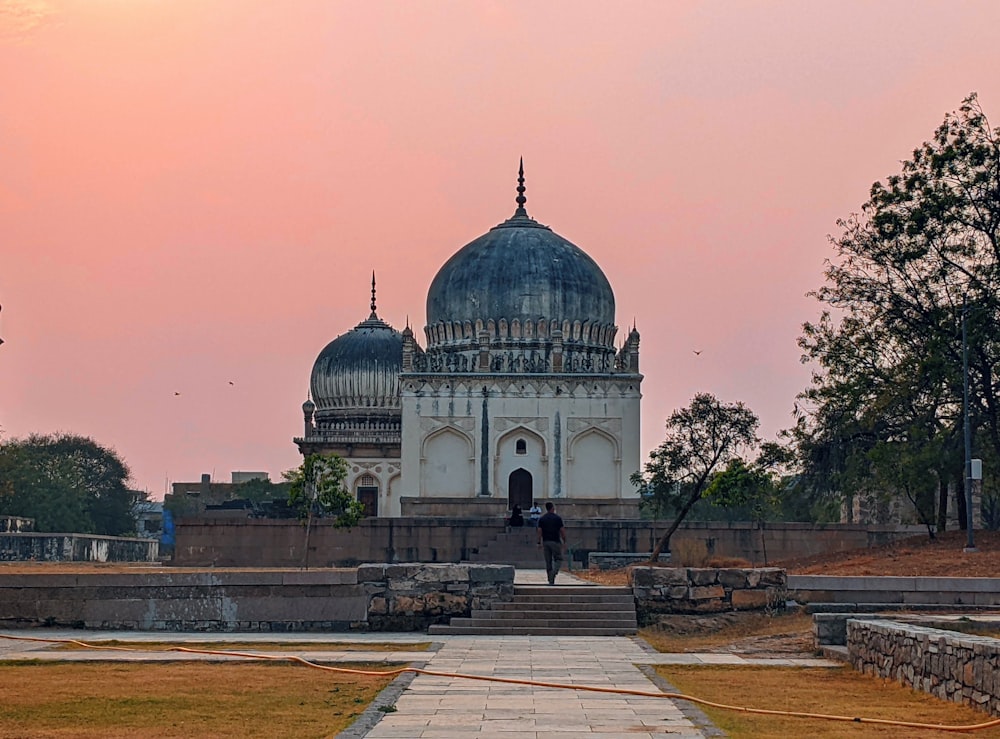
{"type": "Point", "coordinates": [516, 517]}
{"type": "Point", "coordinates": [551, 538]}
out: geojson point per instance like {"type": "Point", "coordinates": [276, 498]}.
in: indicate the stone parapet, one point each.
{"type": "Point", "coordinates": [956, 667]}
{"type": "Point", "coordinates": [662, 590]}
{"type": "Point", "coordinates": [28, 546]}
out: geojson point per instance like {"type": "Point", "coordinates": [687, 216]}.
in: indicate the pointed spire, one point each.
{"type": "Point", "coordinates": [373, 315]}
{"type": "Point", "coordinates": [521, 200]}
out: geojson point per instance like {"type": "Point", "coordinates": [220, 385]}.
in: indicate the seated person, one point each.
{"type": "Point", "coordinates": [516, 517]}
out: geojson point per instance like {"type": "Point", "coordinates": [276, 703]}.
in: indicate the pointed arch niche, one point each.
{"type": "Point", "coordinates": [594, 465]}
{"type": "Point", "coordinates": [523, 449]}
{"type": "Point", "coordinates": [447, 464]}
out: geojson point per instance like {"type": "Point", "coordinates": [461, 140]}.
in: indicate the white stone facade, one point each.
{"type": "Point", "coordinates": [464, 436]}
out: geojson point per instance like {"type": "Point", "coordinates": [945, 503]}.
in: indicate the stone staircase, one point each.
{"type": "Point", "coordinates": [518, 547]}
{"type": "Point", "coordinates": [552, 610]}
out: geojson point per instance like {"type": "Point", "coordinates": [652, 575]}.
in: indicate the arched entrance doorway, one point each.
{"type": "Point", "coordinates": [519, 489]}
{"type": "Point", "coordinates": [368, 494]}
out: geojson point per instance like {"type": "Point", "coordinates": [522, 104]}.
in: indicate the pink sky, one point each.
{"type": "Point", "coordinates": [193, 193]}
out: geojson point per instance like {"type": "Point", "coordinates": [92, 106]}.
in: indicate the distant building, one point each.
{"type": "Point", "coordinates": [148, 518]}
{"type": "Point", "coordinates": [192, 498]}
{"type": "Point", "coordinates": [519, 394]}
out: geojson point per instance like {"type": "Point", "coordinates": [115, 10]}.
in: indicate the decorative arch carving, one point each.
{"type": "Point", "coordinates": [593, 462]}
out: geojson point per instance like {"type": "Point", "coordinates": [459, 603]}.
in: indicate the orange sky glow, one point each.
{"type": "Point", "coordinates": [194, 193]}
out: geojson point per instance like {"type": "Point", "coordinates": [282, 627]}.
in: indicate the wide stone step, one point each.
{"type": "Point", "coordinates": [570, 594]}
{"type": "Point", "coordinates": [526, 631]}
{"type": "Point", "coordinates": [547, 623]}
{"type": "Point", "coordinates": [569, 610]}
{"type": "Point", "coordinates": [553, 615]}
{"type": "Point", "coordinates": [580, 600]}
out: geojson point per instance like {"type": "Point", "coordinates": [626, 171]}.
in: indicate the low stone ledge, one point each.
{"type": "Point", "coordinates": [618, 560]}
{"type": "Point", "coordinates": [670, 590]}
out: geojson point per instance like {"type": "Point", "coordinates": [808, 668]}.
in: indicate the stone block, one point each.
{"type": "Point", "coordinates": [747, 600]}
{"type": "Point", "coordinates": [491, 573]}
{"type": "Point", "coordinates": [372, 573]}
{"type": "Point", "coordinates": [442, 573]}
{"type": "Point", "coordinates": [706, 592]}
{"type": "Point", "coordinates": [703, 576]}
{"type": "Point", "coordinates": [671, 576]}
{"type": "Point", "coordinates": [734, 578]}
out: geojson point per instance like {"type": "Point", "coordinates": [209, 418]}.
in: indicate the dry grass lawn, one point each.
{"type": "Point", "coordinates": [112, 700]}
{"type": "Point", "coordinates": [251, 646]}
{"type": "Point", "coordinates": [838, 691]}
{"type": "Point", "coordinates": [687, 634]}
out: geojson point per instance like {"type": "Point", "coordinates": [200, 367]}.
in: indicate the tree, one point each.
{"type": "Point", "coordinates": [923, 254]}
{"type": "Point", "coordinates": [66, 483]}
{"type": "Point", "coordinates": [317, 489]}
{"type": "Point", "coordinates": [700, 439]}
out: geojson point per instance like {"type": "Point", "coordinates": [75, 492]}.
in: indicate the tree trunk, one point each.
{"type": "Point", "coordinates": [664, 542]}
{"type": "Point", "coordinates": [942, 512]}
{"type": "Point", "coordinates": [960, 501]}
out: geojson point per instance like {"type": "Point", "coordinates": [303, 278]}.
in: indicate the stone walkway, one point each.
{"type": "Point", "coordinates": [455, 707]}
{"type": "Point", "coordinates": [429, 706]}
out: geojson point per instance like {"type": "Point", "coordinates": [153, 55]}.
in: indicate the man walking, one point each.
{"type": "Point", "coordinates": [551, 537]}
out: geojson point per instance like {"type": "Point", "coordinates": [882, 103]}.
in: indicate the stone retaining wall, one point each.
{"type": "Point", "coordinates": [280, 543]}
{"type": "Point", "coordinates": [957, 667]}
{"type": "Point", "coordinates": [372, 597]}
{"type": "Point", "coordinates": [661, 590]}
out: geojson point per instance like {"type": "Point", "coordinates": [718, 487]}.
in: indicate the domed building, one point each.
{"type": "Point", "coordinates": [353, 407]}
{"type": "Point", "coordinates": [520, 395]}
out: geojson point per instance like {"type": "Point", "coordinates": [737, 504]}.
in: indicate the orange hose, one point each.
{"type": "Point", "coordinates": [534, 683]}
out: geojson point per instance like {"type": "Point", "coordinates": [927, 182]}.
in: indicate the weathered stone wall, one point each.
{"type": "Point", "coordinates": [384, 598]}
{"type": "Point", "coordinates": [661, 590]}
{"type": "Point", "coordinates": [76, 548]}
{"type": "Point", "coordinates": [411, 597]}
{"type": "Point", "coordinates": [956, 667]}
{"type": "Point", "coordinates": [280, 543]}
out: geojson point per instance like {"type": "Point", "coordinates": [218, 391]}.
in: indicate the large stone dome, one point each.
{"type": "Point", "coordinates": [359, 369]}
{"type": "Point", "coordinates": [519, 271]}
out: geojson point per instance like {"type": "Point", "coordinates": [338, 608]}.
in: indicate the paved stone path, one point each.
{"type": "Point", "coordinates": [455, 707]}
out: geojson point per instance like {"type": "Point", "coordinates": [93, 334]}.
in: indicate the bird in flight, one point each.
{"type": "Point", "coordinates": [176, 393]}
{"type": "Point", "coordinates": [697, 352]}
{"type": "Point", "coordinates": [231, 382]}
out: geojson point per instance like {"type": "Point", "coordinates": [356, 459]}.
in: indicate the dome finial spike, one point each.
{"type": "Point", "coordinates": [521, 200]}
{"type": "Point", "coordinates": [373, 295]}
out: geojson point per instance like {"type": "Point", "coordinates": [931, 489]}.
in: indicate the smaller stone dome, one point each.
{"type": "Point", "coordinates": [359, 369]}
{"type": "Point", "coordinates": [308, 407]}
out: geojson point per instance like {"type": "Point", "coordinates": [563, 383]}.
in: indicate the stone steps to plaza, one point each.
{"type": "Point", "coordinates": [546, 610]}
{"type": "Point", "coordinates": [517, 547]}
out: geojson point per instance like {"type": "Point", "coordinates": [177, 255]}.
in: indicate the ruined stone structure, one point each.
{"type": "Point", "coordinates": [520, 393]}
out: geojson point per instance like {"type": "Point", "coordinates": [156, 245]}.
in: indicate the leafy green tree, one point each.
{"type": "Point", "coordinates": [317, 489]}
{"type": "Point", "coordinates": [923, 254]}
{"type": "Point", "coordinates": [701, 439]}
{"type": "Point", "coordinates": [66, 483]}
